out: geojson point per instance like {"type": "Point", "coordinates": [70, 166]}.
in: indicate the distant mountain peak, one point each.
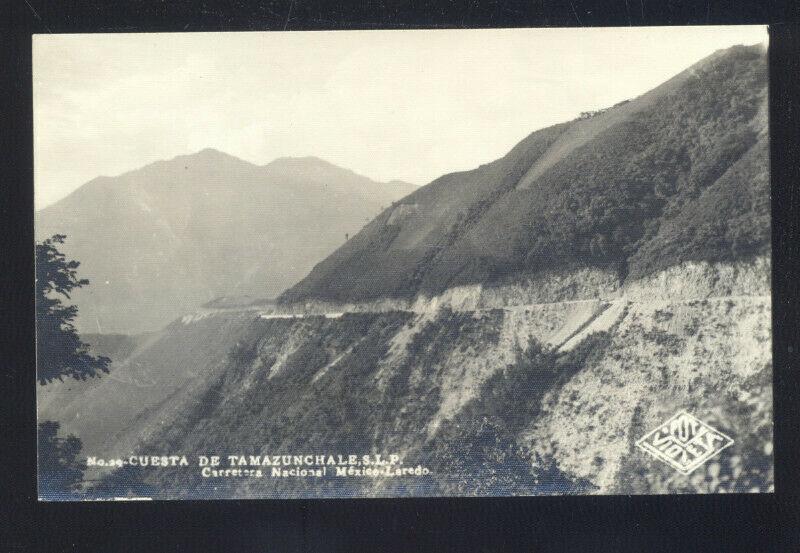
{"type": "Point", "coordinates": [204, 159]}
{"type": "Point", "coordinates": [161, 240]}
{"type": "Point", "coordinates": [212, 155]}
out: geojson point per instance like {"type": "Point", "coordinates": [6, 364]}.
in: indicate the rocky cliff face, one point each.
{"type": "Point", "coordinates": [565, 387]}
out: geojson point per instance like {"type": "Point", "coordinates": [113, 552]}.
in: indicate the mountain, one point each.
{"type": "Point", "coordinates": [513, 330]}
{"type": "Point", "coordinates": [505, 396]}
{"type": "Point", "coordinates": [160, 241]}
{"type": "Point", "coordinates": [677, 174]}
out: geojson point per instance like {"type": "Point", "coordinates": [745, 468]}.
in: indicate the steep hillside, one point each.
{"type": "Point", "coordinates": [528, 398]}
{"type": "Point", "coordinates": [677, 174]}
{"type": "Point", "coordinates": [160, 241]}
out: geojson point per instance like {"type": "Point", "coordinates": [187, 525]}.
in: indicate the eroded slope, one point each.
{"type": "Point", "coordinates": [519, 398]}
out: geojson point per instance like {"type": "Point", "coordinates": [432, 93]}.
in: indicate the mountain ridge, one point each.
{"type": "Point", "coordinates": [209, 155]}
{"type": "Point", "coordinates": [162, 240]}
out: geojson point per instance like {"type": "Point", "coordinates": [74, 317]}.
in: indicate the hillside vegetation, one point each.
{"type": "Point", "coordinates": [677, 174]}
{"type": "Point", "coordinates": [532, 399]}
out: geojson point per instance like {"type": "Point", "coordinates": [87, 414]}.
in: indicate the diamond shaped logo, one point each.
{"type": "Point", "coordinates": [684, 442]}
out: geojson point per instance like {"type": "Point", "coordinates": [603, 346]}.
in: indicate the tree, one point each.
{"type": "Point", "coordinates": [60, 351]}
{"type": "Point", "coordinates": [60, 471]}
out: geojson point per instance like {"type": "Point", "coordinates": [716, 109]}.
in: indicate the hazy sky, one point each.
{"type": "Point", "coordinates": [408, 105]}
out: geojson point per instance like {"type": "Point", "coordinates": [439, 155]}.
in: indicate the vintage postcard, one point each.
{"type": "Point", "coordinates": [403, 263]}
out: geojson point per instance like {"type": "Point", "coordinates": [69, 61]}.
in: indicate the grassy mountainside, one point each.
{"type": "Point", "coordinates": [162, 240]}
{"type": "Point", "coordinates": [677, 174]}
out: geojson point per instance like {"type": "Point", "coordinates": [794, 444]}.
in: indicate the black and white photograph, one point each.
{"type": "Point", "coordinates": [403, 263]}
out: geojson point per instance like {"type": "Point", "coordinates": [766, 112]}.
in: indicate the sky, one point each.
{"type": "Point", "coordinates": [408, 105]}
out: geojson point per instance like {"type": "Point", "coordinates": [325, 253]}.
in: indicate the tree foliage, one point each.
{"type": "Point", "coordinates": [60, 351]}
{"type": "Point", "coordinates": [60, 471]}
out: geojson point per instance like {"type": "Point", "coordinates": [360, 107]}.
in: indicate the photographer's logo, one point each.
{"type": "Point", "coordinates": [684, 442]}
